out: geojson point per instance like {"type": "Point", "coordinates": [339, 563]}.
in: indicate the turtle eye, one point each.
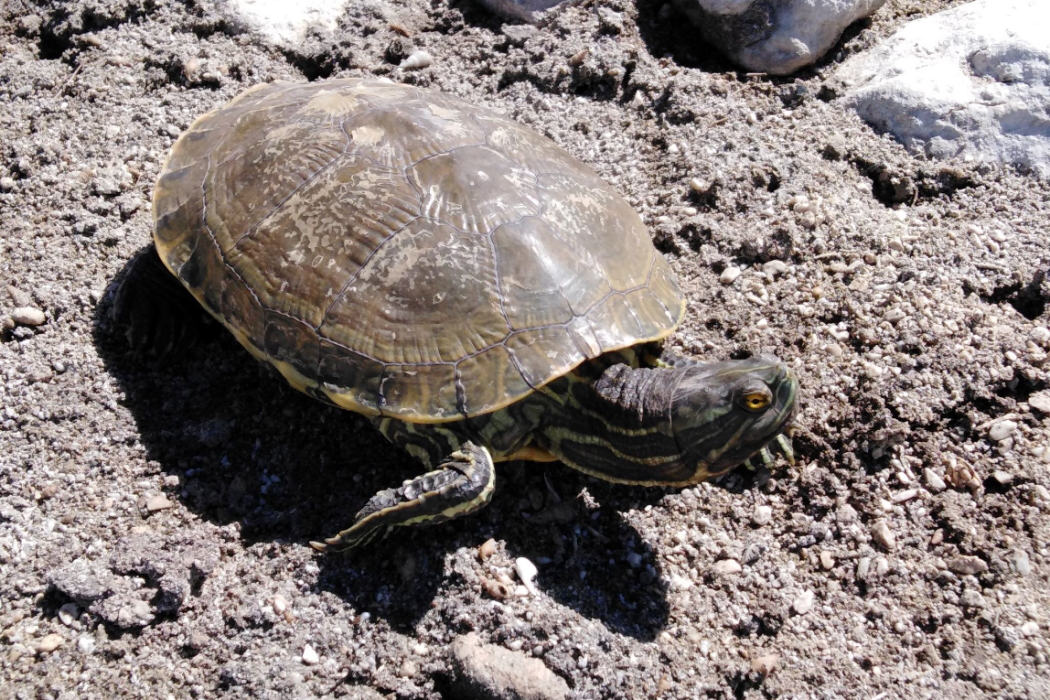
{"type": "Point", "coordinates": [756, 401]}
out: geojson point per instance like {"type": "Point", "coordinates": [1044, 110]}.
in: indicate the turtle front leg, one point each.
{"type": "Point", "coordinates": [461, 484]}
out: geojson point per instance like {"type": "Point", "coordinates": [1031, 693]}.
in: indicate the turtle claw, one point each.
{"type": "Point", "coordinates": [783, 442]}
{"type": "Point", "coordinates": [781, 445]}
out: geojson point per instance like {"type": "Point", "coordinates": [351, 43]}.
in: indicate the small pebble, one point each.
{"type": "Point", "coordinates": [827, 561]}
{"type": "Point", "coordinates": [933, 480]}
{"type": "Point", "coordinates": [762, 515]}
{"type": "Point", "coordinates": [19, 297]}
{"type": "Point", "coordinates": [765, 664]}
{"type": "Point", "coordinates": [1019, 562]}
{"type": "Point", "coordinates": [7, 184]}
{"type": "Point", "coordinates": [310, 656]}
{"type": "Point", "coordinates": [727, 566]}
{"type": "Point", "coordinates": [804, 603]}
{"type": "Point", "coordinates": [863, 567]}
{"type": "Point", "coordinates": [1040, 401]}
{"type": "Point", "coordinates": [1030, 629]}
{"type": "Point", "coordinates": [190, 68]}
{"type": "Point", "coordinates": [680, 583]}
{"type": "Point", "coordinates": [408, 670]}
{"type": "Point", "coordinates": [967, 565]}
{"type": "Point", "coordinates": [158, 503]}
{"type": "Point", "coordinates": [86, 644]}
{"type": "Point", "coordinates": [634, 560]}
{"type": "Point", "coordinates": [895, 315]}
{"type": "Point", "coordinates": [420, 649]}
{"type": "Point", "coordinates": [49, 643]}
{"type": "Point", "coordinates": [495, 589]}
{"type": "Point", "coordinates": [698, 186]}
{"type": "Point", "coordinates": [1001, 430]}
{"type": "Point", "coordinates": [729, 275]}
{"type": "Point", "coordinates": [774, 267]}
{"type": "Point", "coordinates": [1003, 478]}
{"type": "Point", "coordinates": [67, 614]}
{"type": "Point", "coordinates": [883, 535]}
{"type": "Point", "coordinates": [526, 573]}
{"type": "Point", "coordinates": [280, 605]}
{"type": "Point", "coordinates": [28, 316]}
{"type": "Point", "coordinates": [416, 60]}
{"type": "Point", "coordinates": [487, 549]}
{"type": "Point", "coordinates": [905, 495]}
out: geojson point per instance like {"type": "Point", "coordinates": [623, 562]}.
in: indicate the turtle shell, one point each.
{"type": "Point", "coordinates": [401, 252]}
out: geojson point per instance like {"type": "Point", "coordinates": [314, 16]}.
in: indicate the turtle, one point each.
{"type": "Point", "coordinates": [474, 290]}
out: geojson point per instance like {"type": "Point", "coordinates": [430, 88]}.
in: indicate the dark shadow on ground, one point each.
{"type": "Point", "coordinates": [249, 449]}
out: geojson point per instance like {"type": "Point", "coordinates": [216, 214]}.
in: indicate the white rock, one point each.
{"type": "Point", "coordinates": [971, 82]}
{"type": "Point", "coordinates": [933, 480]}
{"type": "Point", "coordinates": [778, 36]}
{"type": "Point", "coordinates": [417, 59]}
{"type": "Point", "coordinates": [680, 583]}
{"type": "Point", "coordinates": [804, 603]}
{"type": "Point", "coordinates": [86, 644]}
{"type": "Point", "coordinates": [1001, 430]}
{"type": "Point", "coordinates": [729, 275]}
{"type": "Point", "coordinates": [883, 535]}
{"type": "Point", "coordinates": [283, 22]}
{"type": "Point", "coordinates": [1040, 400]}
{"type": "Point", "coordinates": [67, 614]}
{"type": "Point", "coordinates": [49, 643]}
{"type": "Point", "coordinates": [727, 567]}
{"type": "Point", "coordinates": [28, 316]}
{"type": "Point", "coordinates": [527, 573]}
{"type": "Point", "coordinates": [310, 655]}
{"type": "Point", "coordinates": [762, 515]}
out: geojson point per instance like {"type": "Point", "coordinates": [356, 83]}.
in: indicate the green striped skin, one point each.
{"type": "Point", "coordinates": [702, 433]}
{"type": "Point", "coordinates": [668, 424]}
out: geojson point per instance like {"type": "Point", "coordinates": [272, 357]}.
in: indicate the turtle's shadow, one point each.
{"type": "Point", "coordinates": [249, 449]}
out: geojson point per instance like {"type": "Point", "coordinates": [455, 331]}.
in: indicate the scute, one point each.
{"type": "Point", "coordinates": [401, 252]}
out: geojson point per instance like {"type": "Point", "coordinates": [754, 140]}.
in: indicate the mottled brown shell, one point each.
{"type": "Point", "coordinates": [401, 252]}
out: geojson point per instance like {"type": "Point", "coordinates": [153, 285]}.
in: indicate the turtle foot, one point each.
{"type": "Point", "coordinates": [460, 485]}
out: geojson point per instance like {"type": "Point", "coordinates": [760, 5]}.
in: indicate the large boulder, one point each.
{"type": "Point", "coordinates": [774, 36]}
{"type": "Point", "coordinates": [971, 82]}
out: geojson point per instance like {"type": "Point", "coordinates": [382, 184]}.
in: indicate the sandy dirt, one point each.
{"type": "Point", "coordinates": [154, 519]}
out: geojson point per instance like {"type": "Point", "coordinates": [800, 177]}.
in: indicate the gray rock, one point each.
{"type": "Point", "coordinates": [774, 36]}
{"type": "Point", "coordinates": [79, 582]}
{"type": "Point", "coordinates": [970, 82]}
{"type": "Point", "coordinates": [967, 565]}
{"type": "Point", "coordinates": [142, 579]}
{"type": "Point", "coordinates": [490, 672]}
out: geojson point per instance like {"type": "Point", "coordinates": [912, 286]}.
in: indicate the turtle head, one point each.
{"type": "Point", "coordinates": [724, 413]}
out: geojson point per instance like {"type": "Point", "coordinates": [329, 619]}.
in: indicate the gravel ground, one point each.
{"type": "Point", "coordinates": [154, 518]}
